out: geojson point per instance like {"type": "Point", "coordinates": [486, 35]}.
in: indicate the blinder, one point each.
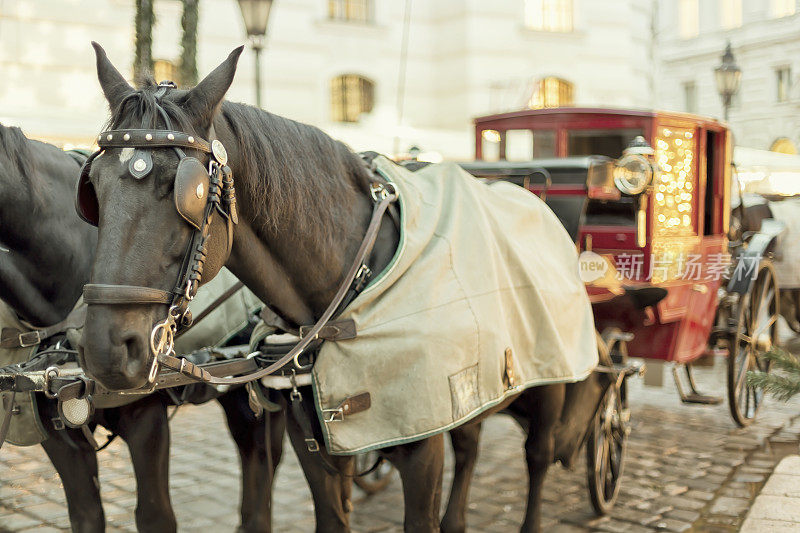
{"type": "Point", "coordinates": [191, 190]}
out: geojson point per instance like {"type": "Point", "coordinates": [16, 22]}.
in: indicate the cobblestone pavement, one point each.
{"type": "Point", "coordinates": [688, 469]}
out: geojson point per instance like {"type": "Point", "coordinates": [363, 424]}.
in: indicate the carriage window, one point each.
{"type": "Point", "coordinates": [519, 145]}
{"type": "Point", "coordinates": [490, 145]}
{"type": "Point", "coordinates": [609, 143]}
{"type": "Point", "coordinates": [351, 95]}
{"type": "Point", "coordinates": [350, 10]}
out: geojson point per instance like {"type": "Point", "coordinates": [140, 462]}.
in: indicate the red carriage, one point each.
{"type": "Point", "coordinates": [649, 193]}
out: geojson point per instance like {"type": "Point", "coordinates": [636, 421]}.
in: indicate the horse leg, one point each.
{"type": "Point", "coordinates": [257, 440]}
{"type": "Point", "coordinates": [543, 406]}
{"type": "Point", "coordinates": [145, 428]}
{"type": "Point", "coordinates": [75, 460]}
{"type": "Point", "coordinates": [465, 440]}
{"type": "Point", "coordinates": [328, 489]}
{"type": "Point", "coordinates": [421, 466]}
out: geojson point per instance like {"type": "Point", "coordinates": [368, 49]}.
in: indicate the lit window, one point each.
{"type": "Point", "coordinates": [783, 145]}
{"type": "Point", "coordinates": [548, 15]}
{"type": "Point", "coordinates": [353, 10]}
{"type": "Point", "coordinates": [165, 70]}
{"type": "Point", "coordinates": [731, 12]}
{"type": "Point", "coordinates": [551, 92]}
{"type": "Point", "coordinates": [783, 83]}
{"type": "Point", "coordinates": [782, 8]}
{"type": "Point", "coordinates": [351, 95]}
{"type": "Point", "coordinates": [690, 97]}
{"type": "Point", "coordinates": [689, 18]}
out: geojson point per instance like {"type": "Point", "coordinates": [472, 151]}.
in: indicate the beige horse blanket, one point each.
{"type": "Point", "coordinates": [481, 300]}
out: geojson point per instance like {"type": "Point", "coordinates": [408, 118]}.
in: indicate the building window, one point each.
{"type": "Point", "coordinates": [731, 12]}
{"type": "Point", "coordinates": [551, 92]}
{"type": "Point", "coordinates": [350, 10]}
{"type": "Point", "coordinates": [165, 70]}
{"type": "Point", "coordinates": [782, 8]}
{"type": "Point", "coordinates": [689, 18]}
{"type": "Point", "coordinates": [783, 83]}
{"type": "Point", "coordinates": [690, 97]}
{"type": "Point", "coordinates": [784, 145]}
{"type": "Point", "coordinates": [351, 95]}
{"type": "Point", "coordinates": [549, 15]}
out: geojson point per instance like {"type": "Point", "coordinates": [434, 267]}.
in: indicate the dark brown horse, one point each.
{"type": "Point", "coordinates": [304, 204]}
{"type": "Point", "coordinates": [48, 258]}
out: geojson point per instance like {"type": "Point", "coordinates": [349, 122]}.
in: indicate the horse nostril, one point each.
{"type": "Point", "coordinates": [133, 346]}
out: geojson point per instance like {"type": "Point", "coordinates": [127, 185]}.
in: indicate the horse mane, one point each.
{"type": "Point", "coordinates": [302, 175]}
{"type": "Point", "coordinates": [15, 147]}
{"type": "Point", "coordinates": [297, 172]}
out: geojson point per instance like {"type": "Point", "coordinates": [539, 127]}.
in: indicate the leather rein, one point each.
{"type": "Point", "coordinates": [221, 200]}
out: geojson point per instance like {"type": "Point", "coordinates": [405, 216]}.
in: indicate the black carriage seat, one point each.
{"type": "Point", "coordinates": [563, 183]}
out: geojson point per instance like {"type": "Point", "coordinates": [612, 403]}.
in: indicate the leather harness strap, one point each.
{"type": "Point", "coordinates": [14, 338]}
{"type": "Point", "coordinates": [236, 287]}
{"type": "Point", "coordinates": [99, 293]}
{"type": "Point", "coordinates": [190, 369]}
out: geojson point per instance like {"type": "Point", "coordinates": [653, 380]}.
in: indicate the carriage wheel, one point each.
{"type": "Point", "coordinates": [755, 332]}
{"type": "Point", "coordinates": [378, 479]}
{"type": "Point", "coordinates": [605, 451]}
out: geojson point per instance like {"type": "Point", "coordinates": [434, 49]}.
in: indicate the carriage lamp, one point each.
{"type": "Point", "coordinates": [256, 16]}
{"type": "Point", "coordinates": [728, 76]}
{"type": "Point", "coordinates": [634, 170]}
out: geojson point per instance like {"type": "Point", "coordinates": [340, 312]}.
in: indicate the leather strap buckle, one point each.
{"type": "Point", "coordinates": [312, 444]}
{"type": "Point", "coordinates": [29, 338]}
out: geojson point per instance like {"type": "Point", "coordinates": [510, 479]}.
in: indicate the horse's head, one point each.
{"type": "Point", "coordinates": [162, 199]}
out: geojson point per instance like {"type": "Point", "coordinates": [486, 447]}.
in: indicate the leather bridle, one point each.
{"type": "Point", "coordinates": [221, 199]}
{"type": "Point", "coordinates": [201, 192]}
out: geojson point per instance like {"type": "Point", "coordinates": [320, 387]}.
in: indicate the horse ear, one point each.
{"type": "Point", "coordinates": [204, 100]}
{"type": "Point", "coordinates": [114, 86]}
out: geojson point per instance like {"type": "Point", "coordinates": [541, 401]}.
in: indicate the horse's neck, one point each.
{"type": "Point", "coordinates": [50, 250]}
{"type": "Point", "coordinates": [297, 276]}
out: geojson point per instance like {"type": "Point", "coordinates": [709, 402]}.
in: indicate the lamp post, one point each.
{"type": "Point", "coordinates": [256, 15]}
{"type": "Point", "coordinates": [728, 76]}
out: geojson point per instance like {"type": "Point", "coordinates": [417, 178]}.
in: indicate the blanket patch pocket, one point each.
{"type": "Point", "coordinates": [464, 392]}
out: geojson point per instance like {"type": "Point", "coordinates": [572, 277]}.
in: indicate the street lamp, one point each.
{"type": "Point", "coordinates": [729, 77]}
{"type": "Point", "coordinates": [256, 15]}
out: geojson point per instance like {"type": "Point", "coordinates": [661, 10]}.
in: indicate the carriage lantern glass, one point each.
{"type": "Point", "coordinates": [634, 170]}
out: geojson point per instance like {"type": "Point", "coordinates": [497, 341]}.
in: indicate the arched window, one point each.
{"type": "Point", "coordinates": [352, 10]}
{"type": "Point", "coordinates": [165, 70]}
{"type": "Point", "coordinates": [551, 92]}
{"type": "Point", "coordinates": [351, 95]}
{"type": "Point", "coordinates": [784, 145]}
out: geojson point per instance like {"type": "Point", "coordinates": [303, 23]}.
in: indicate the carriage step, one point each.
{"type": "Point", "coordinates": [701, 398]}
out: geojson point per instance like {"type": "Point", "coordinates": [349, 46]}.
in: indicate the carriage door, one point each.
{"type": "Point", "coordinates": [703, 300]}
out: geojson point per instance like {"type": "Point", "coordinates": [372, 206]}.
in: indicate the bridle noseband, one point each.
{"type": "Point", "coordinates": [201, 191]}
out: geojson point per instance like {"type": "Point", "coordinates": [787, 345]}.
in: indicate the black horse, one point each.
{"type": "Point", "coordinates": [48, 259]}
{"type": "Point", "coordinates": [304, 201]}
